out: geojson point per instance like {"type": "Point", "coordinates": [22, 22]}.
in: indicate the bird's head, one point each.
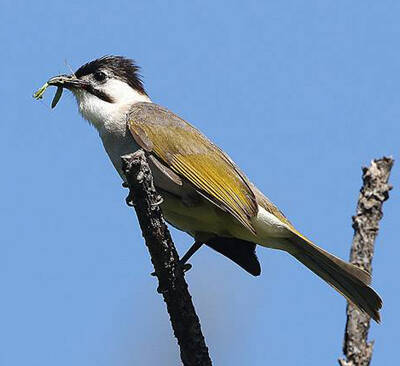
{"type": "Point", "coordinates": [104, 87]}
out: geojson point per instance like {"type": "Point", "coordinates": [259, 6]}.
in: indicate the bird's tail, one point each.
{"type": "Point", "coordinates": [352, 282]}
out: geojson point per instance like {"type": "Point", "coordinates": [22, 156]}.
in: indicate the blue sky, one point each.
{"type": "Point", "coordinates": [300, 94]}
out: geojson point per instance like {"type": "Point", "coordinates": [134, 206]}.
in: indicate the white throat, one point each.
{"type": "Point", "coordinates": [105, 116]}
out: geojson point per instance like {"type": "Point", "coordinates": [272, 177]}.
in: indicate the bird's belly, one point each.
{"type": "Point", "coordinates": [201, 218]}
{"type": "Point", "coordinates": [207, 220]}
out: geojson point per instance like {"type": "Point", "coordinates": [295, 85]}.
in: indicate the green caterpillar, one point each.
{"type": "Point", "coordinates": [39, 94]}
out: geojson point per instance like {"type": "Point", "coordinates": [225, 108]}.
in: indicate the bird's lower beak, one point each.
{"type": "Point", "coordinates": [67, 81]}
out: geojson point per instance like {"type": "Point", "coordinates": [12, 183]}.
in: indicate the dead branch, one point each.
{"type": "Point", "coordinates": [172, 285]}
{"type": "Point", "coordinates": [374, 192]}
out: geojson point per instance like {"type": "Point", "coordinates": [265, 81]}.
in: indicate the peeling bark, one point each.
{"type": "Point", "coordinates": [172, 285]}
{"type": "Point", "coordinates": [374, 192]}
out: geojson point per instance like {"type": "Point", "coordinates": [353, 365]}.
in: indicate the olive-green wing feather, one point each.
{"type": "Point", "coordinates": [192, 156]}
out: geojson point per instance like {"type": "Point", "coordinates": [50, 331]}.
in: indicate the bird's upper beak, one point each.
{"type": "Point", "coordinates": [67, 81]}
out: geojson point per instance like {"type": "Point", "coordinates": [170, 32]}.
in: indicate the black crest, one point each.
{"type": "Point", "coordinates": [122, 68]}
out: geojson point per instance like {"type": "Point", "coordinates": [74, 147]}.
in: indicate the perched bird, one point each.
{"type": "Point", "coordinates": [205, 193]}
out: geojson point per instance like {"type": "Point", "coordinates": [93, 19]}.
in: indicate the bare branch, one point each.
{"type": "Point", "coordinates": [374, 192]}
{"type": "Point", "coordinates": [172, 284]}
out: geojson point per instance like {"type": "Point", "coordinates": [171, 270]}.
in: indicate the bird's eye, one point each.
{"type": "Point", "coordinates": [100, 76]}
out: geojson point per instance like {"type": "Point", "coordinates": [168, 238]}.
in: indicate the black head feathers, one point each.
{"type": "Point", "coordinates": [120, 67]}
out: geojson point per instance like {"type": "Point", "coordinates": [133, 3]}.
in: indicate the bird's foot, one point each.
{"type": "Point", "coordinates": [159, 201]}
{"type": "Point", "coordinates": [185, 267]}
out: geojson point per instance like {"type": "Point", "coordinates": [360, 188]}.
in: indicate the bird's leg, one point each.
{"type": "Point", "coordinates": [182, 262]}
{"type": "Point", "coordinates": [193, 249]}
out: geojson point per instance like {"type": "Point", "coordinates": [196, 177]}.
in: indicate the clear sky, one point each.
{"type": "Point", "coordinates": [301, 94]}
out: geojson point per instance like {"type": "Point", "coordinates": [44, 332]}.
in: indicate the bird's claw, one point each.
{"type": "Point", "coordinates": [159, 201]}
{"type": "Point", "coordinates": [186, 267]}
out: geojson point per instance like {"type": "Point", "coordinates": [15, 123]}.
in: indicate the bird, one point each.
{"type": "Point", "coordinates": [205, 194]}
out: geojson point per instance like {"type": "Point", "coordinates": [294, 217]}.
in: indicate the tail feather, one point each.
{"type": "Point", "coordinates": [352, 282]}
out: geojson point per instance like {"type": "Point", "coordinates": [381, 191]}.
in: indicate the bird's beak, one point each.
{"type": "Point", "coordinates": [67, 81]}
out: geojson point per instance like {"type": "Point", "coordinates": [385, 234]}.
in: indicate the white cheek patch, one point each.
{"type": "Point", "coordinates": [121, 92]}
{"type": "Point", "coordinates": [99, 112]}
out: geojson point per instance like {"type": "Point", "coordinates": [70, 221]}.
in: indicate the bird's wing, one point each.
{"type": "Point", "coordinates": [194, 158]}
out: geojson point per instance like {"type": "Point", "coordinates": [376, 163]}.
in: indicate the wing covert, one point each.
{"type": "Point", "coordinates": [195, 158]}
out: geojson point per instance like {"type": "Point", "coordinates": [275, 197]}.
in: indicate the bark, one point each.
{"type": "Point", "coordinates": [374, 192]}
{"type": "Point", "coordinates": [172, 285]}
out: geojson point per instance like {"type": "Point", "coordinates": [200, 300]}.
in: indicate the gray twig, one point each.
{"type": "Point", "coordinates": [172, 285]}
{"type": "Point", "coordinates": [374, 192]}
